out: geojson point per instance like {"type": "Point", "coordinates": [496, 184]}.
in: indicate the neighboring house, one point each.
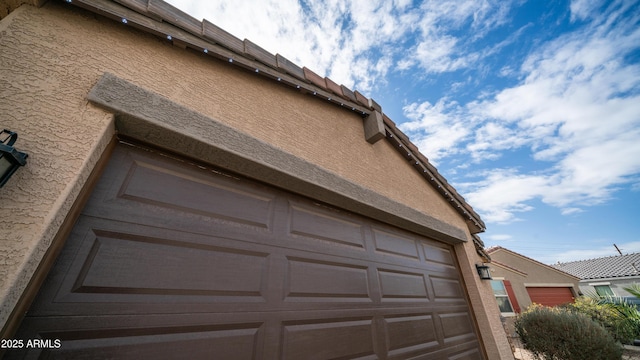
{"type": "Point", "coordinates": [519, 281]}
{"type": "Point", "coordinates": [606, 275]}
{"type": "Point", "coordinates": [188, 194]}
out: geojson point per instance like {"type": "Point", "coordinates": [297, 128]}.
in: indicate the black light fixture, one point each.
{"type": "Point", "coordinates": [484, 272]}
{"type": "Point", "coordinates": [10, 158]}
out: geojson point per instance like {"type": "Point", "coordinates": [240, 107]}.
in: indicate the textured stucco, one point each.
{"type": "Point", "coordinates": [52, 56]}
{"type": "Point", "coordinates": [61, 132]}
{"type": "Point", "coordinates": [485, 307]}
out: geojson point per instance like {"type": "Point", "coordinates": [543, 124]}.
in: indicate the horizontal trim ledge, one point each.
{"type": "Point", "coordinates": [149, 117]}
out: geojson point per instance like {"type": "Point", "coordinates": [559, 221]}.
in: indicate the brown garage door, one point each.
{"type": "Point", "coordinates": [550, 296]}
{"type": "Point", "coordinates": [172, 260]}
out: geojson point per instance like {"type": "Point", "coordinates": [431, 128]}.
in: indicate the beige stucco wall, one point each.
{"type": "Point", "coordinates": [52, 56]}
{"type": "Point", "coordinates": [530, 272]}
{"type": "Point", "coordinates": [485, 307]}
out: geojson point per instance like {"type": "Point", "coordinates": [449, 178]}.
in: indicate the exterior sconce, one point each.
{"type": "Point", "coordinates": [10, 158]}
{"type": "Point", "coordinates": [484, 272]}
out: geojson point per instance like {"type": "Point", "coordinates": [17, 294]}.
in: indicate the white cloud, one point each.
{"type": "Point", "coordinates": [577, 110]}
{"type": "Point", "coordinates": [500, 237]}
{"type": "Point", "coordinates": [503, 193]}
{"type": "Point", "coordinates": [604, 251]}
{"type": "Point", "coordinates": [582, 9]}
{"type": "Point", "coordinates": [571, 210]}
{"type": "Point", "coordinates": [439, 127]}
{"type": "Point", "coordinates": [437, 48]}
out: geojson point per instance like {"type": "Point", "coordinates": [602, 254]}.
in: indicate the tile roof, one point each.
{"type": "Point", "coordinates": [165, 21]}
{"type": "Point", "coordinates": [604, 267]}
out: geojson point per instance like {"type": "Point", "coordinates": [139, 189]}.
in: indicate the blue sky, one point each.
{"type": "Point", "coordinates": [530, 109]}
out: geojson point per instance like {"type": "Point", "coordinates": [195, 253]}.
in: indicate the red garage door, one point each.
{"type": "Point", "coordinates": [550, 296]}
{"type": "Point", "coordinates": [172, 260]}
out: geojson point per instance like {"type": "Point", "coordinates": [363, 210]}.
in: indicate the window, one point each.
{"type": "Point", "coordinates": [604, 290]}
{"type": "Point", "coordinates": [500, 291]}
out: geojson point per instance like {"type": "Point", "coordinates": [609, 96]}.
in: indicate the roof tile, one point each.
{"type": "Point", "coordinates": [375, 105]}
{"type": "Point", "coordinates": [220, 36]}
{"type": "Point", "coordinates": [347, 93]}
{"type": "Point", "coordinates": [175, 16]}
{"type": "Point", "coordinates": [289, 67]}
{"type": "Point", "coordinates": [140, 6]}
{"type": "Point", "coordinates": [362, 99]}
{"type": "Point", "coordinates": [314, 78]}
{"type": "Point", "coordinates": [256, 52]}
{"type": "Point", "coordinates": [388, 121]}
{"type": "Point", "coordinates": [604, 267]}
{"type": "Point", "coordinates": [333, 87]}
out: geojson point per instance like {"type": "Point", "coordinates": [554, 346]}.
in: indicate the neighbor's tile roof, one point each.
{"type": "Point", "coordinates": [604, 267]}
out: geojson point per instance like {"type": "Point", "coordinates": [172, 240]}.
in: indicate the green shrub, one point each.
{"type": "Point", "coordinates": [623, 327]}
{"type": "Point", "coordinates": [560, 334]}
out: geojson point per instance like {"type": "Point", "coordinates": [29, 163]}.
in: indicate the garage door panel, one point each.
{"type": "Point", "coordinates": [408, 334]}
{"type": "Point", "coordinates": [174, 346]}
{"type": "Point", "coordinates": [226, 341]}
{"type": "Point", "coordinates": [438, 255]}
{"type": "Point", "coordinates": [320, 224]}
{"type": "Point", "coordinates": [448, 289]}
{"type": "Point", "coordinates": [323, 281]}
{"type": "Point", "coordinates": [187, 190]}
{"type": "Point", "coordinates": [145, 190]}
{"type": "Point", "coordinates": [402, 285]}
{"type": "Point", "coordinates": [342, 339]}
{"type": "Point", "coordinates": [457, 327]}
{"type": "Point", "coordinates": [112, 273]}
{"type": "Point", "coordinates": [395, 244]}
{"type": "Point", "coordinates": [125, 264]}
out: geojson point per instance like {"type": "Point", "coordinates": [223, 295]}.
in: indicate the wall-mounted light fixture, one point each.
{"type": "Point", "coordinates": [10, 158]}
{"type": "Point", "coordinates": [484, 272]}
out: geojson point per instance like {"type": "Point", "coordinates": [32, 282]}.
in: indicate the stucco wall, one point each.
{"type": "Point", "coordinates": [485, 307]}
{"type": "Point", "coordinates": [41, 100]}
{"type": "Point", "coordinates": [52, 56]}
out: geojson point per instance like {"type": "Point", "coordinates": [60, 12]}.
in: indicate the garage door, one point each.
{"type": "Point", "coordinates": [550, 296]}
{"type": "Point", "coordinates": [174, 260]}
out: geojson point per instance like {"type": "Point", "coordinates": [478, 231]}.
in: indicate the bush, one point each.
{"type": "Point", "coordinates": [623, 328]}
{"type": "Point", "coordinates": [560, 334]}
